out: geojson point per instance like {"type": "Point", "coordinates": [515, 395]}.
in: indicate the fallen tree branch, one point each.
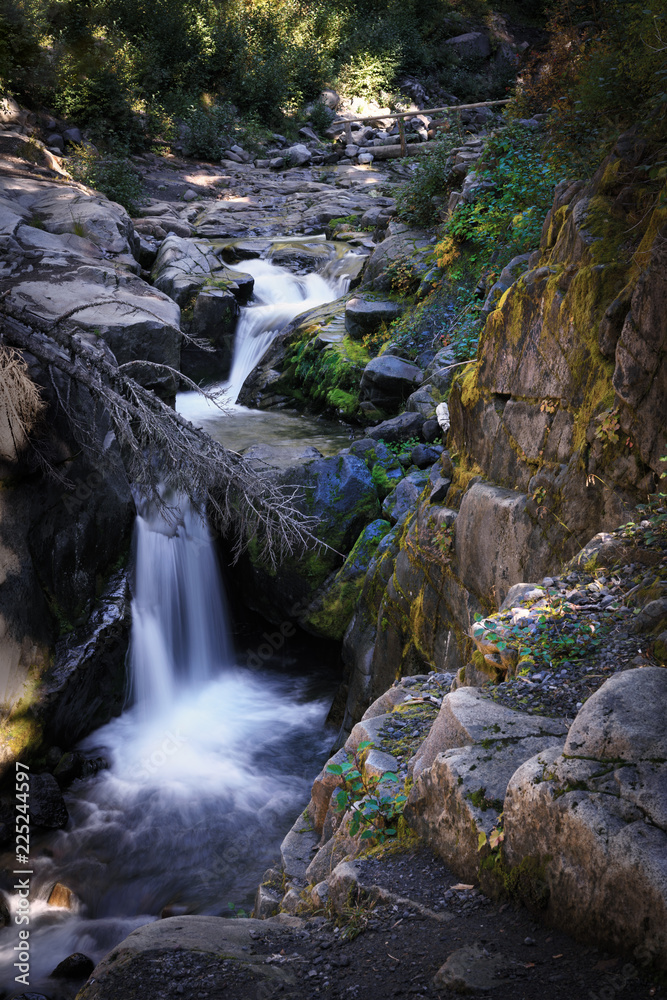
{"type": "Point", "coordinates": [165, 454]}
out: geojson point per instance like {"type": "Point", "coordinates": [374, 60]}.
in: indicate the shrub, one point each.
{"type": "Point", "coordinates": [111, 174]}
{"type": "Point", "coordinates": [420, 199]}
{"type": "Point", "coordinates": [208, 129]}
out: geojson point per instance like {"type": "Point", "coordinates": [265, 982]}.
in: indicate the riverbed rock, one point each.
{"type": "Point", "coordinates": [365, 315]}
{"type": "Point", "coordinates": [214, 319]}
{"type": "Point", "coordinates": [47, 805]}
{"type": "Point", "coordinates": [387, 381]}
{"type": "Point", "coordinates": [593, 813]}
{"type": "Point", "coordinates": [76, 966]}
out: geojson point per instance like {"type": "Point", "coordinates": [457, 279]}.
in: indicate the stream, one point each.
{"type": "Point", "coordinates": [212, 761]}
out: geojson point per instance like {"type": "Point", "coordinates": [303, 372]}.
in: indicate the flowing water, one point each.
{"type": "Point", "coordinates": [211, 763]}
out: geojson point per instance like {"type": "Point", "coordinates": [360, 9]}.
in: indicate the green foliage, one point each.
{"type": "Point", "coordinates": [374, 810]}
{"type": "Point", "coordinates": [419, 201]}
{"type": "Point", "coordinates": [398, 447]}
{"type": "Point", "coordinates": [208, 129]}
{"type": "Point", "coordinates": [507, 218]}
{"type": "Point", "coordinates": [321, 116]}
{"type": "Point", "coordinates": [113, 175]}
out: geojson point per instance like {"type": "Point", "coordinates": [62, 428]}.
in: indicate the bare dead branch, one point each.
{"type": "Point", "coordinates": [160, 448]}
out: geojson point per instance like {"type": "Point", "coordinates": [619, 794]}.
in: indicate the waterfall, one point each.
{"type": "Point", "coordinates": [278, 297]}
{"type": "Point", "coordinates": [179, 619]}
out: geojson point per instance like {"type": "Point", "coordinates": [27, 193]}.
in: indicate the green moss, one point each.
{"type": "Point", "coordinates": [526, 882]}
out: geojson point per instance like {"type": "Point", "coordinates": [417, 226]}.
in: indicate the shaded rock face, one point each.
{"type": "Point", "coordinates": [575, 342]}
{"type": "Point", "coordinates": [593, 812]}
{"type": "Point", "coordinates": [57, 541]}
{"type": "Point", "coordinates": [67, 255]}
{"type": "Point", "coordinates": [341, 495]}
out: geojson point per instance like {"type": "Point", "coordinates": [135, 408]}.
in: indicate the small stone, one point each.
{"type": "Point", "coordinates": [76, 966]}
{"type": "Point", "coordinates": [189, 195]}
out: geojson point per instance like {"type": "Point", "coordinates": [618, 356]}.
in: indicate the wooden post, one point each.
{"type": "Point", "coordinates": [348, 132]}
{"type": "Point", "coordinates": [401, 132]}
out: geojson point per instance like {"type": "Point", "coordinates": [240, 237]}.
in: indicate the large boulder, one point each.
{"type": "Point", "coordinates": [592, 814]}
{"type": "Point", "coordinates": [388, 381]}
{"type": "Point", "coordinates": [339, 494]}
{"type": "Point", "coordinates": [365, 315]}
{"type": "Point", "coordinates": [332, 610]}
{"type": "Point", "coordinates": [408, 250]}
{"type": "Point", "coordinates": [473, 45]}
{"type": "Point", "coordinates": [463, 769]}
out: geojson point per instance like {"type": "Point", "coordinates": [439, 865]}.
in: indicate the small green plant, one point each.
{"type": "Point", "coordinates": [237, 911]}
{"type": "Point", "coordinates": [112, 174]}
{"type": "Point", "coordinates": [609, 427]}
{"type": "Point", "coordinates": [399, 447]}
{"type": "Point", "coordinates": [321, 116]}
{"type": "Point", "coordinates": [374, 810]}
{"type": "Point", "coordinates": [444, 539]}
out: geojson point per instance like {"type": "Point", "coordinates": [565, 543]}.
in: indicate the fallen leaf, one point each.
{"type": "Point", "coordinates": [556, 956]}
{"type": "Point", "coordinates": [461, 887]}
{"type": "Point", "coordinates": [393, 958]}
{"type": "Point", "coordinates": [529, 965]}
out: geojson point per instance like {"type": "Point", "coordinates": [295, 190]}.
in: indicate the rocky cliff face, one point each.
{"type": "Point", "coordinates": [556, 432]}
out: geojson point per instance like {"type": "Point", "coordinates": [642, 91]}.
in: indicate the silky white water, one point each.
{"type": "Point", "coordinates": [210, 765]}
{"type": "Point", "coordinates": [278, 296]}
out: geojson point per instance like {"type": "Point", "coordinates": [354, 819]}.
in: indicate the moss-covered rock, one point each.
{"type": "Point", "coordinates": [331, 612]}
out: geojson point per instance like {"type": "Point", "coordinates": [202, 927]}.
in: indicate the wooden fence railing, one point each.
{"type": "Point", "coordinates": [399, 116]}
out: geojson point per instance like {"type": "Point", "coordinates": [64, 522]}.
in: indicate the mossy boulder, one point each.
{"type": "Point", "coordinates": [331, 612]}
{"type": "Point", "coordinates": [339, 495]}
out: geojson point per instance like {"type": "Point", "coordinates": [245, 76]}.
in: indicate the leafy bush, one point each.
{"type": "Point", "coordinates": [111, 174]}
{"type": "Point", "coordinates": [374, 810]}
{"type": "Point", "coordinates": [506, 219]}
{"type": "Point", "coordinates": [208, 130]}
{"type": "Point", "coordinates": [321, 116]}
{"type": "Point", "coordinates": [419, 201]}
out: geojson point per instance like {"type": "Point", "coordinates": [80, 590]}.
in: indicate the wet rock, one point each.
{"type": "Point", "coordinates": [5, 913]}
{"type": "Point", "coordinates": [387, 381]}
{"type": "Point", "coordinates": [214, 318]}
{"type": "Point", "coordinates": [267, 902]}
{"type": "Point", "coordinates": [76, 966]}
{"type": "Point", "coordinates": [63, 897]}
{"type": "Point", "coordinates": [47, 806]}
{"type": "Point", "coordinates": [401, 428]}
{"type": "Point", "coordinates": [364, 315]}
